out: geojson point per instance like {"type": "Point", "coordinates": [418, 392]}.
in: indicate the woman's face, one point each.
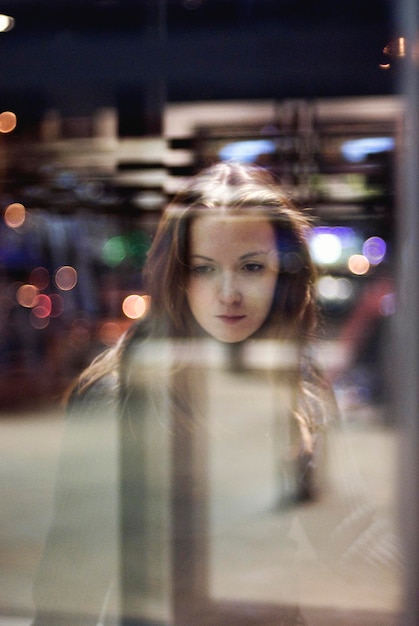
{"type": "Point", "coordinates": [234, 265]}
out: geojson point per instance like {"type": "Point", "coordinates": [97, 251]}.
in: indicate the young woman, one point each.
{"type": "Point", "coordinates": [143, 512]}
{"type": "Point", "coordinates": [230, 260]}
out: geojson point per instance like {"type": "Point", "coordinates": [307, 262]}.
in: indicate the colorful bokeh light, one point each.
{"type": "Point", "coordinates": [66, 278]}
{"type": "Point", "coordinates": [135, 306]}
{"type": "Point", "coordinates": [358, 264]}
{"type": "Point", "coordinates": [374, 249]}
{"type": "Point", "coordinates": [8, 120]}
{"type": "Point", "coordinates": [14, 215]}
{"type": "Point", "coordinates": [26, 295]}
{"type": "Point", "coordinates": [39, 277]}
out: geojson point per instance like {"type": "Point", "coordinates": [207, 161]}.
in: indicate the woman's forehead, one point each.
{"type": "Point", "coordinates": [226, 215]}
{"type": "Point", "coordinates": [225, 229]}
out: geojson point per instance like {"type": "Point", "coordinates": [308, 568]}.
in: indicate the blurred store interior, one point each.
{"type": "Point", "coordinates": [105, 107]}
{"type": "Point", "coordinates": [117, 101]}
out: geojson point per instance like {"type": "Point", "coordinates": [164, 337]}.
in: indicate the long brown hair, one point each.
{"type": "Point", "coordinates": [238, 189]}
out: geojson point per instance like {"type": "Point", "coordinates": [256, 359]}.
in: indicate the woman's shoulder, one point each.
{"type": "Point", "coordinates": [100, 382]}
{"type": "Point", "coordinates": [102, 392]}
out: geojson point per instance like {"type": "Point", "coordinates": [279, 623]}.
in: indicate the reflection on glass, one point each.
{"type": "Point", "coordinates": [206, 476]}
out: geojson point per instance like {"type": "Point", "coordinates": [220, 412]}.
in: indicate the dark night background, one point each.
{"type": "Point", "coordinates": [76, 55]}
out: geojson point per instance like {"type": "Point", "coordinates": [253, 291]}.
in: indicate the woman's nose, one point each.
{"type": "Point", "coordinates": [229, 291]}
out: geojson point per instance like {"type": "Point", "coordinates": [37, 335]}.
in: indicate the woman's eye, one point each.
{"type": "Point", "coordinates": [253, 267]}
{"type": "Point", "coordinates": [202, 269]}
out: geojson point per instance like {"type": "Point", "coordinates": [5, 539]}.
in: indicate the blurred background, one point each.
{"type": "Point", "coordinates": [106, 106]}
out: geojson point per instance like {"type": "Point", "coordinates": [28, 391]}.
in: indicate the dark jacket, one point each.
{"type": "Point", "coordinates": [144, 507]}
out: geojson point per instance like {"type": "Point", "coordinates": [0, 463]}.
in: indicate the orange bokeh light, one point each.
{"type": "Point", "coordinates": [26, 295]}
{"type": "Point", "coordinates": [8, 122]}
{"type": "Point", "coordinates": [358, 264]}
{"type": "Point", "coordinates": [134, 306]}
{"type": "Point", "coordinates": [14, 215]}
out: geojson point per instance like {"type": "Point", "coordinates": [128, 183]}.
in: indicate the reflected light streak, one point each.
{"type": "Point", "coordinates": [246, 151]}
{"type": "Point", "coordinates": [396, 47]}
{"type": "Point", "coordinates": [14, 215]}
{"type": "Point", "coordinates": [356, 150]}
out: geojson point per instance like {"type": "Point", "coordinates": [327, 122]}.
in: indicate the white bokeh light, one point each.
{"type": "Point", "coordinates": [325, 248]}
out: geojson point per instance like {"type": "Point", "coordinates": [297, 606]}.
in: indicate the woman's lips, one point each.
{"type": "Point", "coordinates": [231, 319]}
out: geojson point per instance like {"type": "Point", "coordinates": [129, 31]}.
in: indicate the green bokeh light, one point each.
{"type": "Point", "coordinates": [132, 247]}
{"type": "Point", "coordinates": [115, 250]}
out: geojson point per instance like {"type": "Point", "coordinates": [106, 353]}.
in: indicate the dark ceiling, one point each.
{"type": "Point", "coordinates": [78, 55]}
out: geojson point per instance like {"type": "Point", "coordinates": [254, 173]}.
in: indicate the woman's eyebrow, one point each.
{"type": "Point", "coordinates": [201, 256]}
{"type": "Point", "coordinates": [248, 255]}
{"type": "Point", "coordinates": [242, 257]}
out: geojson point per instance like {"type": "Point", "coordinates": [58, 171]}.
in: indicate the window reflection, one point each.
{"type": "Point", "coordinates": [227, 476]}
{"type": "Point", "coordinates": [237, 526]}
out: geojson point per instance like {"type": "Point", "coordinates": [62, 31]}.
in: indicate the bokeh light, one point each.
{"type": "Point", "coordinates": [325, 248]}
{"type": "Point", "coordinates": [14, 215]}
{"type": "Point", "coordinates": [26, 295]}
{"type": "Point", "coordinates": [6, 23]}
{"type": "Point", "coordinates": [39, 277]}
{"type": "Point", "coordinates": [38, 322]}
{"type": "Point", "coordinates": [374, 249]}
{"type": "Point", "coordinates": [57, 305]}
{"type": "Point", "coordinates": [8, 122]}
{"type": "Point", "coordinates": [358, 264]}
{"type": "Point", "coordinates": [66, 278]}
{"type": "Point", "coordinates": [133, 246]}
{"type": "Point", "coordinates": [109, 333]}
{"type": "Point", "coordinates": [334, 288]}
{"type": "Point", "coordinates": [134, 306]}
{"type": "Point", "coordinates": [114, 251]}
{"type": "Point", "coordinates": [42, 307]}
